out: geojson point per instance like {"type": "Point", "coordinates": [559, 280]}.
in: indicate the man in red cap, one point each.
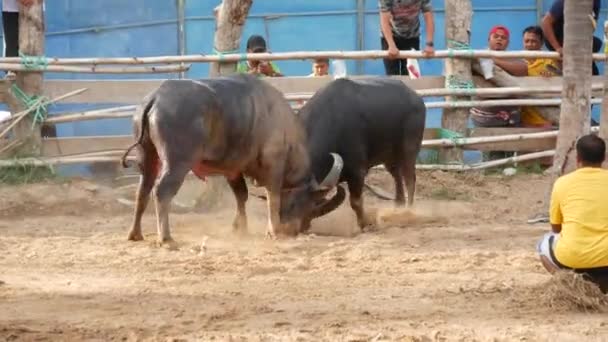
{"type": "Point", "coordinates": [498, 40]}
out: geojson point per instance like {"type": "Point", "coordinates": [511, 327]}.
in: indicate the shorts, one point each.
{"type": "Point", "coordinates": [546, 248]}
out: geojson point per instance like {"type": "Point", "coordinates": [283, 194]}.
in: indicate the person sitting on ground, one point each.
{"type": "Point", "coordinates": [579, 215]}
{"type": "Point", "coordinates": [533, 41]}
{"type": "Point", "coordinates": [500, 116]}
{"type": "Point", "coordinates": [257, 44]}
{"type": "Point", "coordinates": [553, 29]}
{"type": "Point", "coordinates": [320, 67]}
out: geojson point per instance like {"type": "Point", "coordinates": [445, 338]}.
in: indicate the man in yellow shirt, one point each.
{"type": "Point", "coordinates": [579, 215]}
{"type": "Point", "coordinates": [533, 41]}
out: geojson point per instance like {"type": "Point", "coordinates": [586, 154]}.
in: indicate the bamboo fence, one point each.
{"type": "Point", "coordinates": [96, 70]}
{"type": "Point", "coordinates": [296, 55]}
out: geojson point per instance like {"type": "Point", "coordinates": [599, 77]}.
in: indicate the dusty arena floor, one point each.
{"type": "Point", "coordinates": [462, 269]}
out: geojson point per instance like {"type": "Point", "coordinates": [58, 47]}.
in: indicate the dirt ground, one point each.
{"type": "Point", "coordinates": [462, 267]}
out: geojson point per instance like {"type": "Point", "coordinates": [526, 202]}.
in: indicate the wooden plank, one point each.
{"type": "Point", "coordinates": [518, 146]}
{"type": "Point", "coordinates": [133, 91]}
{"type": "Point", "coordinates": [54, 147]}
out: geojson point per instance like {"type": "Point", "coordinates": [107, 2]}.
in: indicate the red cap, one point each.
{"type": "Point", "coordinates": [500, 27]}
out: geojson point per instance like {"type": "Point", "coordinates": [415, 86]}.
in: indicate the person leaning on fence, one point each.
{"type": "Point", "coordinates": [400, 30]}
{"type": "Point", "coordinates": [10, 23]}
{"type": "Point", "coordinates": [500, 116]}
{"type": "Point", "coordinates": [579, 216]}
{"type": "Point", "coordinates": [553, 29]}
{"type": "Point", "coordinates": [543, 67]}
{"type": "Point", "coordinates": [257, 44]}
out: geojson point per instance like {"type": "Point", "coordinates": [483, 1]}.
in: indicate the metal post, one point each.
{"type": "Point", "coordinates": [360, 32]}
{"type": "Point", "coordinates": [539, 10]}
{"type": "Point", "coordinates": [181, 31]}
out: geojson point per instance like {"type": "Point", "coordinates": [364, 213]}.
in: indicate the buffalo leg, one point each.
{"type": "Point", "coordinates": [239, 188]}
{"type": "Point", "coordinates": [149, 171]}
{"type": "Point", "coordinates": [408, 170]}
{"type": "Point", "coordinates": [395, 172]}
{"type": "Point", "coordinates": [171, 179]}
{"type": "Point", "coordinates": [355, 188]}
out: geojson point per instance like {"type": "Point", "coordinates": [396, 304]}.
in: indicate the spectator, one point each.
{"type": "Point", "coordinates": [10, 23]}
{"type": "Point", "coordinates": [400, 30]}
{"type": "Point", "coordinates": [579, 215]}
{"type": "Point", "coordinates": [257, 44]}
{"type": "Point", "coordinates": [320, 67]}
{"type": "Point", "coordinates": [553, 29]}
{"type": "Point", "coordinates": [533, 41]}
{"type": "Point", "coordinates": [500, 116]}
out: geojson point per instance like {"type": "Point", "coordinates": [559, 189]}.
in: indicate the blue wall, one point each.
{"type": "Point", "coordinates": [114, 28]}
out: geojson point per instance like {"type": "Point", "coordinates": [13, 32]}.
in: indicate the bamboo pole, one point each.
{"type": "Point", "coordinates": [13, 144]}
{"type": "Point", "coordinates": [489, 164]}
{"type": "Point", "coordinates": [438, 92]}
{"type": "Point", "coordinates": [96, 70]}
{"type": "Point", "coordinates": [61, 161]}
{"type": "Point", "coordinates": [19, 116]}
{"type": "Point", "coordinates": [492, 139]}
{"type": "Point", "coordinates": [116, 112]}
{"type": "Point", "coordinates": [492, 103]}
{"type": "Point", "coordinates": [106, 159]}
{"type": "Point", "coordinates": [296, 55]}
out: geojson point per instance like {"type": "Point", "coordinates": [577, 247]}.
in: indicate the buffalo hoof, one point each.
{"type": "Point", "coordinates": [169, 244]}
{"type": "Point", "coordinates": [239, 225]}
{"type": "Point", "coordinates": [135, 236]}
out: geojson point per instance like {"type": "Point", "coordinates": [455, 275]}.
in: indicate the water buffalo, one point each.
{"type": "Point", "coordinates": [368, 122]}
{"type": "Point", "coordinates": [233, 126]}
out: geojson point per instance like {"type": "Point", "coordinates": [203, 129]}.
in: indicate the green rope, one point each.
{"type": "Point", "coordinates": [453, 82]}
{"type": "Point", "coordinates": [222, 53]}
{"type": "Point", "coordinates": [456, 45]}
{"type": "Point", "coordinates": [39, 109]}
{"type": "Point", "coordinates": [34, 62]}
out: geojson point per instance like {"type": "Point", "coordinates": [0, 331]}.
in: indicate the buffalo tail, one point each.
{"type": "Point", "coordinates": [143, 126]}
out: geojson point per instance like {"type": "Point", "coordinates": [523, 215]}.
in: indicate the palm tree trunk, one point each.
{"type": "Point", "coordinates": [230, 16]}
{"type": "Point", "coordinates": [604, 117]}
{"type": "Point", "coordinates": [575, 115]}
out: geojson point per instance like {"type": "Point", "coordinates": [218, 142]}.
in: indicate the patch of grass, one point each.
{"type": "Point", "coordinates": [26, 174]}
{"type": "Point", "coordinates": [428, 157]}
{"type": "Point", "coordinates": [445, 193]}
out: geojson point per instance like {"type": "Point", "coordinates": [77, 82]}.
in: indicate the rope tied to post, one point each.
{"type": "Point", "coordinates": [456, 45]}
{"type": "Point", "coordinates": [34, 62]}
{"type": "Point", "coordinates": [39, 110]}
{"type": "Point", "coordinates": [221, 54]}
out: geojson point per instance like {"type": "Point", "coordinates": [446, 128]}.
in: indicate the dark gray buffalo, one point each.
{"type": "Point", "coordinates": [233, 126]}
{"type": "Point", "coordinates": [367, 122]}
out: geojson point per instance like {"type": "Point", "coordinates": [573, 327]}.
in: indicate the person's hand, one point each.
{"type": "Point", "coordinates": [26, 3]}
{"type": "Point", "coordinates": [560, 50]}
{"type": "Point", "coordinates": [428, 51]}
{"type": "Point", "coordinates": [265, 68]}
{"type": "Point", "coordinates": [393, 52]}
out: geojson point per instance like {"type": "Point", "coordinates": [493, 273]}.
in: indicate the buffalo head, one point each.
{"type": "Point", "coordinates": [308, 200]}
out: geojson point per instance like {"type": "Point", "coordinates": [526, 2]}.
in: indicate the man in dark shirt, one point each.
{"type": "Point", "coordinates": [553, 28]}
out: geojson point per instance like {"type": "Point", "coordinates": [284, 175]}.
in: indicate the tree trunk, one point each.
{"type": "Point", "coordinates": [604, 116]}
{"type": "Point", "coordinates": [575, 115]}
{"type": "Point", "coordinates": [231, 18]}
{"type": "Point", "coordinates": [31, 43]}
{"type": "Point", "coordinates": [458, 14]}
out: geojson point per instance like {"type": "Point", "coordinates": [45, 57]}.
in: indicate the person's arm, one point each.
{"type": "Point", "coordinates": [429, 21]}
{"type": "Point", "coordinates": [555, 13]}
{"type": "Point", "coordinates": [555, 212]}
{"type": "Point", "coordinates": [513, 67]}
{"type": "Point", "coordinates": [386, 28]}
